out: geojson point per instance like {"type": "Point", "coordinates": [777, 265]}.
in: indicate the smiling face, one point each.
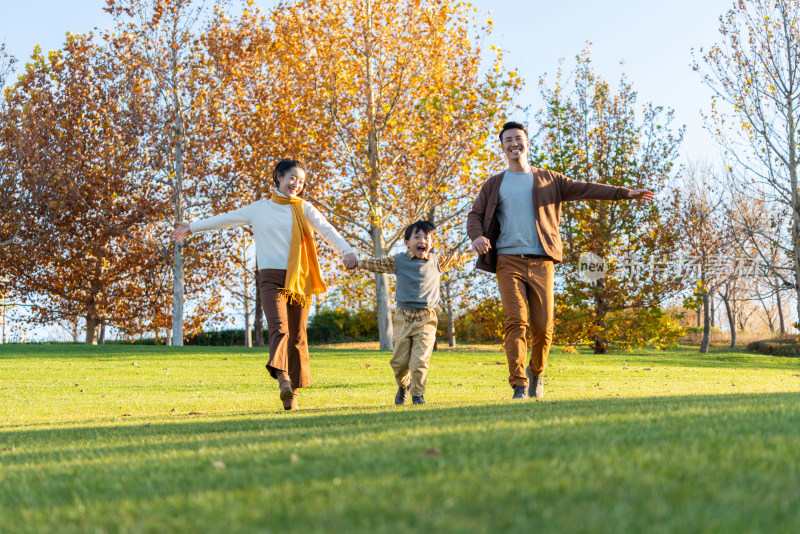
{"type": "Point", "coordinates": [420, 244]}
{"type": "Point", "coordinates": [291, 182]}
{"type": "Point", "coordinates": [515, 144]}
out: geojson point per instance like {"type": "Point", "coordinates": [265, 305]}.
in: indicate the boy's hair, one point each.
{"type": "Point", "coordinates": [426, 227]}
{"type": "Point", "coordinates": [283, 167]}
{"type": "Point", "coordinates": [513, 126]}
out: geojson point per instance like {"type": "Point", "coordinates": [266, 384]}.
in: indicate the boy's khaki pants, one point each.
{"type": "Point", "coordinates": [414, 338]}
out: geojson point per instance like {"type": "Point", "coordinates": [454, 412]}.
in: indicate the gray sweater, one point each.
{"type": "Point", "coordinates": [417, 281]}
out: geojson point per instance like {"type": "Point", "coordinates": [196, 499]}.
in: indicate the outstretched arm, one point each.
{"type": "Point", "coordinates": [378, 265]}
{"type": "Point", "coordinates": [181, 230]}
{"type": "Point", "coordinates": [454, 259]}
{"type": "Point", "coordinates": [641, 194]}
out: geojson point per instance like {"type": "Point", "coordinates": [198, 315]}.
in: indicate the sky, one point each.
{"type": "Point", "coordinates": [649, 40]}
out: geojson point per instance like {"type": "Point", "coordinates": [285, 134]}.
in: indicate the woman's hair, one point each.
{"type": "Point", "coordinates": [283, 167]}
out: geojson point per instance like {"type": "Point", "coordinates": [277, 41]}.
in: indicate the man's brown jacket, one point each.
{"type": "Point", "coordinates": [550, 189]}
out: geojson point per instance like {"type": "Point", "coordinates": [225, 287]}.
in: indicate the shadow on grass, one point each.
{"type": "Point", "coordinates": [640, 459]}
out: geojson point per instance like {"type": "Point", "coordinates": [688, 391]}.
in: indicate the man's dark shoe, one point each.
{"type": "Point", "coordinates": [535, 384]}
{"type": "Point", "coordinates": [520, 392]}
{"type": "Point", "coordinates": [402, 395]}
{"type": "Point", "coordinates": [417, 400]}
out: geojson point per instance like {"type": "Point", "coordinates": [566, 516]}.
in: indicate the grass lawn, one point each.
{"type": "Point", "coordinates": [154, 439]}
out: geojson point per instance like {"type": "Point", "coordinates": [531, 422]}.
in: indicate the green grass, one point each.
{"type": "Point", "coordinates": [146, 439]}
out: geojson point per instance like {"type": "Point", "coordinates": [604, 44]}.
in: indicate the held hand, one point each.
{"type": "Point", "coordinates": [481, 245]}
{"type": "Point", "coordinates": [181, 230]}
{"type": "Point", "coordinates": [350, 261]}
{"type": "Point", "coordinates": [641, 194]}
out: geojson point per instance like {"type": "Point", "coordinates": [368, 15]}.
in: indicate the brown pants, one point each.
{"type": "Point", "coordinates": [288, 342]}
{"type": "Point", "coordinates": [526, 284]}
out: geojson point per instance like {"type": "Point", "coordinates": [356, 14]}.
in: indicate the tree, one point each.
{"type": "Point", "coordinates": [401, 110]}
{"type": "Point", "coordinates": [83, 249]}
{"type": "Point", "coordinates": [589, 132]}
{"type": "Point", "coordinates": [9, 191]}
{"type": "Point", "coordinates": [702, 222]}
{"type": "Point", "coordinates": [755, 75]}
{"type": "Point", "coordinates": [160, 37]}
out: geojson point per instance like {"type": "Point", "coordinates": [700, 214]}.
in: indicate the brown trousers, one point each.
{"type": "Point", "coordinates": [288, 342]}
{"type": "Point", "coordinates": [526, 290]}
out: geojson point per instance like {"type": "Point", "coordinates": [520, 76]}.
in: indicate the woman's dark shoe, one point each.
{"type": "Point", "coordinates": [418, 400]}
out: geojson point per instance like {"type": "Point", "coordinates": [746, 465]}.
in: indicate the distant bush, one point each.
{"type": "Point", "coordinates": [342, 325]}
{"type": "Point", "coordinates": [482, 324]}
{"type": "Point", "coordinates": [786, 346]}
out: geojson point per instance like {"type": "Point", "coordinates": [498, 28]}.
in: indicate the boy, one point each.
{"type": "Point", "coordinates": [418, 271]}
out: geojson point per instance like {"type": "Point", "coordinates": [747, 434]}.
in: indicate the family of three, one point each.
{"type": "Point", "coordinates": [513, 226]}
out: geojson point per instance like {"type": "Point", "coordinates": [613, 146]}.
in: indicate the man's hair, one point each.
{"type": "Point", "coordinates": [426, 227]}
{"type": "Point", "coordinates": [283, 167]}
{"type": "Point", "coordinates": [513, 126]}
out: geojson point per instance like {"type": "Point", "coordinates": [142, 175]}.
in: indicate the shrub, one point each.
{"type": "Point", "coordinates": [785, 346]}
{"type": "Point", "coordinates": [341, 325]}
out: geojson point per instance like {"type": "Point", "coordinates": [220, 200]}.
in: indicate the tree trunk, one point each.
{"type": "Point", "coordinates": [379, 250]}
{"type": "Point", "coordinates": [91, 330]}
{"type": "Point", "coordinates": [600, 341]}
{"type": "Point", "coordinates": [780, 309]}
{"type": "Point", "coordinates": [259, 314]}
{"type": "Point", "coordinates": [795, 202]}
{"type": "Point", "coordinates": [177, 269]}
{"type": "Point", "coordinates": [248, 334]}
{"type": "Point", "coordinates": [451, 326]}
{"type": "Point", "coordinates": [731, 321]}
{"type": "Point", "coordinates": [706, 325]}
{"type": "Point", "coordinates": [699, 317]}
{"type": "Point", "coordinates": [712, 307]}
{"type": "Point", "coordinates": [385, 329]}
{"type": "Point", "coordinates": [102, 336]}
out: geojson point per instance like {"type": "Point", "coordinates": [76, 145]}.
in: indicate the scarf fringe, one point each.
{"type": "Point", "coordinates": [296, 299]}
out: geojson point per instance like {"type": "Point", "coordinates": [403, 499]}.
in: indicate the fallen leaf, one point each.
{"type": "Point", "coordinates": [294, 458]}
{"type": "Point", "coordinates": [432, 452]}
{"type": "Point", "coordinates": [218, 464]}
{"type": "Point", "coordinates": [135, 364]}
{"type": "Point", "coordinates": [195, 413]}
{"type": "Point", "coordinates": [126, 415]}
{"type": "Point", "coordinates": [367, 365]}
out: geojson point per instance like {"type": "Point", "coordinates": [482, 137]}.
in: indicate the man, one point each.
{"type": "Point", "coordinates": [513, 226]}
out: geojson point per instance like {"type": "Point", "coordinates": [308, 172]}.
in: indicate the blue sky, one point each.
{"type": "Point", "coordinates": [652, 37]}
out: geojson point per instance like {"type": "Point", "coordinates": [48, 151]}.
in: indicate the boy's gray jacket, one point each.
{"type": "Point", "coordinates": [550, 189]}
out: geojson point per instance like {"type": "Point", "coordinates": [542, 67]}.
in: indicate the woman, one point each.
{"type": "Point", "coordinates": [289, 271]}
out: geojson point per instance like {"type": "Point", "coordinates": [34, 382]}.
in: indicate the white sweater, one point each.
{"type": "Point", "coordinates": [272, 229]}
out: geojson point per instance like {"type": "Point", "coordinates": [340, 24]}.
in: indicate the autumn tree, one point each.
{"type": "Point", "coordinates": [82, 249]}
{"type": "Point", "coordinates": [590, 132]}
{"type": "Point", "coordinates": [161, 37]}
{"type": "Point", "coordinates": [9, 223]}
{"type": "Point", "coordinates": [401, 112]}
{"type": "Point", "coordinates": [754, 72]}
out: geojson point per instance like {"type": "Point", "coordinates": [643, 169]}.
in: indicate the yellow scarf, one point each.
{"type": "Point", "coordinates": [303, 276]}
